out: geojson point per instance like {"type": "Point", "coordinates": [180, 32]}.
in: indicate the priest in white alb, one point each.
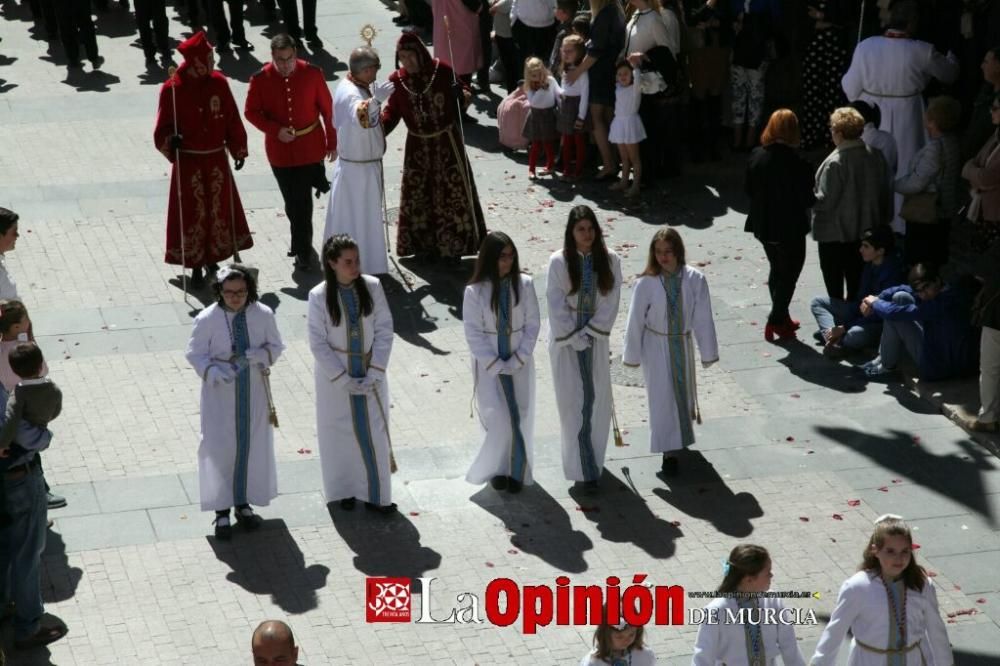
{"type": "Point", "coordinates": [892, 70]}
{"type": "Point", "coordinates": [356, 198]}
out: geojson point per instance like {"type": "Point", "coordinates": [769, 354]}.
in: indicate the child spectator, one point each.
{"type": "Point", "coordinates": [618, 644]}
{"type": "Point", "coordinates": [626, 127]}
{"type": "Point", "coordinates": [572, 119]}
{"type": "Point", "coordinates": [540, 126]}
{"type": "Point", "coordinates": [581, 25]}
{"type": "Point", "coordinates": [565, 13]}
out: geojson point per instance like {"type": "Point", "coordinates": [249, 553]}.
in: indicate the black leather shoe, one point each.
{"type": "Point", "coordinates": [247, 519]}
{"type": "Point", "coordinates": [55, 501]}
{"type": "Point", "coordinates": [347, 504]}
{"type": "Point", "coordinates": [197, 278]}
{"type": "Point", "coordinates": [499, 482]}
{"type": "Point", "coordinates": [513, 485]}
{"type": "Point", "coordinates": [223, 528]}
{"type": "Point", "coordinates": [591, 487]}
{"type": "Point", "coordinates": [385, 509]}
{"type": "Point", "coordinates": [669, 466]}
{"type": "Point", "coordinates": [314, 41]}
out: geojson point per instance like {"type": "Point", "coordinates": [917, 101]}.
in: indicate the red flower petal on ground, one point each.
{"type": "Point", "coordinates": [804, 519]}
{"type": "Point", "coordinates": [853, 502]}
{"type": "Point", "coordinates": [884, 489]}
{"type": "Point", "coordinates": [675, 523]}
{"type": "Point", "coordinates": [837, 516]}
{"type": "Point", "coordinates": [915, 546]}
{"type": "Point", "coordinates": [980, 600]}
{"type": "Point", "coordinates": [789, 439]}
{"type": "Point", "coordinates": [796, 395]}
{"type": "Point", "coordinates": [513, 551]}
{"type": "Point", "coordinates": [414, 513]}
{"type": "Point", "coordinates": [897, 480]}
{"type": "Point", "coordinates": [489, 565]}
{"type": "Point", "coordinates": [304, 451]}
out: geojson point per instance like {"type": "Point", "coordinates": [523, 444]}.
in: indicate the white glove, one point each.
{"type": "Point", "coordinates": [258, 356]}
{"type": "Point", "coordinates": [581, 342]}
{"type": "Point", "coordinates": [496, 368]}
{"type": "Point", "coordinates": [370, 382]}
{"type": "Point", "coordinates": [357, 386]}
{"type": "Point", "coordinates": [512, 366]}
{"type": "Point", "coordinates": [382, 91]}
{"type": "Point", "coordinates": [217, 375]}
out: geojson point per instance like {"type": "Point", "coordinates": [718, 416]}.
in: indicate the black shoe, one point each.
{"type": "Point", "coordinates": [55, 501]}
{"type": "Point", "coordinates": [385, 509]}
{"type": "Point", "coordinates": [247, 519]}
{"type": "Point", "coordinates": [499, 482]}
{"type": "Point", "coordinates": [74, 64]}
{"type": "Point", "coordinates": [303, 263]}
{"type": "Point", "coordinates": [151, 58]}
{"type": "Point", "coordinates": [211, 270]}
{"type": "Point", "coordinates": [96, 61]}
{"type": "Point", "coordinates": [513, 485]}
{"type": "Point", "coordinates": [314, 41]}
{"type": "Point", "coordinates": [669, 466]}
{"type": "Point", "coordinates": [223, 47]}
{"type": "Point", "coordinates": [223, 528]}
{"type": "Point", "coordinates": [197, 278]}
{"type": "Point", "coordinates": [591, 487]}
{"type": "Point", "coordinates": [243, 44]}
{"type": "Point", "coordinates": [347, 504]}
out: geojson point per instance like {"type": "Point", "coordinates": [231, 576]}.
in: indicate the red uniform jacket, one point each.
{"type": "Point", "coordinates": [300, 101]}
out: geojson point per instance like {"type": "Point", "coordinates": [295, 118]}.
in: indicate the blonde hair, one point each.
{"type": "Point", "coordinates": [847, 122]}
{"type": "Point", "coordinates": [945, 112]}
{"type": "Point", "coordinates": [532, 67]}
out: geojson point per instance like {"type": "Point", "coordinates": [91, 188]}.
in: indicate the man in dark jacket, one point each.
{"type": "Point", "coordinates": [930, 321]}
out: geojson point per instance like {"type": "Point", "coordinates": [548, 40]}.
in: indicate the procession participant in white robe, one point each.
{"type": "Point", "coordinates": [500, 311]}
{"type": "Point", "coordinates": [350, 335]}
{"type": "Point", "coordinates": [357, 196]}
{"type": "Point", "coordinates": [670, 306]}
{"type": "Point", "coordinates": [890, 607]}
{"type": "Point", "coordinates": [746, 576]}
{"type": "Point", "coordinates": [619, 644]}
{"type": "Point", "coordinates": [584, 286]}
{"type": "Point", "coordinates": [234, 343]}
{"type": "Point", "coordinates": [892, 72]}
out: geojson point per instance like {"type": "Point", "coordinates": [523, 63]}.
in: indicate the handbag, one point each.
{"type": "Point", "coordinates": [920, 207]}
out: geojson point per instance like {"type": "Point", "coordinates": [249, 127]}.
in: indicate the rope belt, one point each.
{"type": "Point", "coordinates": [365, 356]}
{"type": "Point", "coordinates": [212, 151]}
{"type": "Point", "coordinates": [888, 95]}
{"type": "Point", "coordinates": [375, 161]}
{"type": "Point", "coordinates": [692, 383]}
{"type": "Point", "coordinates": [513, 330]}
{"type": "Point", "coordinates": [306, 130]}
{"type": "Point", "coordinates": [432, 135]}
{"type": "Point", "coordinates": [872, 648]}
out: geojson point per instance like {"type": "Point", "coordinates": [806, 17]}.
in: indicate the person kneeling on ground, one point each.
{"type": "Point", "coordinates": [930, 321]}
{"type": "Point", "coordinates": [841, 326]}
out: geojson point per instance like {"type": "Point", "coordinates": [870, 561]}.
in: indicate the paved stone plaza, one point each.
{"type": "Point", "coordinates": [790, 438]}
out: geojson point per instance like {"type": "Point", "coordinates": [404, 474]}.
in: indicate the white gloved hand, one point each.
{"type": "Point", "coordinates": [217, 376]}
{"type": "Point", "coordinates": [258, 356]}
{"type": "Point", "coordinates": [356, 386]}
{"type": "Point", "coordinates": [581, 342]}
{"type": "Point", "coordinates": [371, 382]}
{"type": "Point", "coordinates": [512, 366]}
{"type": "Point", "coordinates": [496, 367]}
{"type": "Point", "coordinates": [382, 91]}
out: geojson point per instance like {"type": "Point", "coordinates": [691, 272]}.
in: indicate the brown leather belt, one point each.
{"type": "Point", "coordinates": [306, 130]}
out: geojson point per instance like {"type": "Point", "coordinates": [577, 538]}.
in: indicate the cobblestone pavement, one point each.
{"type": "Point", "coordinates": [789, 439]}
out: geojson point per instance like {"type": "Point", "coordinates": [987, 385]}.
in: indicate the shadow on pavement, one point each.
{"type": "Point", "coordinates": [59, 579]}
{"type": "Point", "coordinates": [954, 476]}
{"type": "Point", "coordinates": [539, 526]}
{"type": "Point", "coordinates": [806, 363]}
{"type": "Point", "coordinates": [700, 492]}
{"type": "Point", "coordinates": [384, 545]}
{"type": "Point", "coordinates": [239, 65]}
{"type": "Point", "coordinates": [269, 562]}
{"type": "Point", "coordinates": [90, 80]}
{"type": "Point", "coordinates": [325, 61]}
{"type": "Point", "coordinates": [411, 319]}
{"type": "Point", "coordinates": [622, 516]}
{"type": "Point", "coordinates": [115, 22]}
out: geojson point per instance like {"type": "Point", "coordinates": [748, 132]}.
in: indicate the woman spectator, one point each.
{"type": "Point", "coordinates": [825, 63]}
{"type": "Point", "coordinates": [932, 184]}
{"type": "Point", "coordinates": [710, 28]}
{"type": "Point", "coordinates": [607, 38]}
{"type": "Point", "coordinates": [533, 24]}
{"type": "Point", "coordinates": [8, 239]}
{"type": "Point", "coordinates": [752, 48]}
{"type": "Point", "coordinates": [851, 196]}
{"type": "Point", "coordinates": [983, 173]}
{"type": "Point", "coordinates": [234, 343]}
{"type": "Point", "coordinates": [780, 188]}
{"type": "Point", "coordinates": [652, 46]}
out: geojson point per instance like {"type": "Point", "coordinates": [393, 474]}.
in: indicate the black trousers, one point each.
{"type": "Point", "coordinates": [45, 10]}
{"type": "Point", "coordinates": [660, 151]}
{"type": "Point", "coordinates": [486, 43]}
{"type": "Point", "coordinates": [217, 15]}
{"type": "Point", "coordinates": [533, 42]}
{"type": "Point", "coordinates": [76, 26]}
{"type": "Point", "coordinates": [841, 263]}
{"type": "Point", "coordinates": [512, 71]}
{"type": "Point", "coordinates": [193, 9]}
{"type": "Point", "coordinates": [296, 185]}
{"type": "Point", "coordinates": [290, 16]}
{"type": "Point", "coordinates": [151, 18]}
{"type": "Point", "coordinates": [785, 261]}
{"type": "Point", "coordinates": [927, 243]}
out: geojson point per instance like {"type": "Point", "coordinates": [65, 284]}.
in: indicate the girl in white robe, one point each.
{"type": "Point", "coordinates": [746, 573]}
{"type": "Point", "coordinates": [670, 307]}
{"type": "Point", "coordinates": [234, 343]}
{"type": "Point", "coordinates": [890, 606]}
{"type": "Point", "coordinates": [618, 645]}
{"type": "Point", "coordinates": [500, 313]}
{"type": "Point", "coordinates": [350, 335]}
{"type": "Point", "coordinates": [584, 286]}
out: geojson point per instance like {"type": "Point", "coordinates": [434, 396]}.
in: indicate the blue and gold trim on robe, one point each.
{"type": "Point", "coordinates": [240, 342]}
{"type": "Point", "coordinates": [677, 351]}
{"type": "Point", "coordinates": [356, 369]}
{"type": "Point", "coordinates": [585, 304]}
{"type": "Point", "coordinates": [518, 453]}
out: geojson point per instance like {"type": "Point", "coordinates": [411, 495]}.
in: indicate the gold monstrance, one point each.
{"type": "Point", "coordinates": [368, 33]}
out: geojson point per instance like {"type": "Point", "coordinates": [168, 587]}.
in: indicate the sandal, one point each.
{"type": "Point", "coordinates": [223, 528]}
{"type": "Point", "coordinates": [42, 637]}
{"type": "Point", "coordinates": [247, 519]}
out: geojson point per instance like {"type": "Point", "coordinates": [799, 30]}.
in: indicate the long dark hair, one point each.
{"type": "Point", "coordinates": [914, 576]}
{"type": "Point", "coordinates": [599, 252]}
{"type": "Point", "coordinates": [487, 267]}
{"type": "Point", "coordinates": [602, 637]}
{"type": "Point", "coordinates": [332, 249]}
{"type": "Point", "coordinates": [744, 560]}
{"type": "Point", "coordinates": [236, 272]}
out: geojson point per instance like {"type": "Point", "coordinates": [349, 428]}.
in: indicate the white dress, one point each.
{"type": "Point", "coordinates": [353, 431]}
{"type": "Point", "coordinates": [506, 403]}
{"type": "Point", "coordinates": [892, 72]}
{"type": "Point", "coordinates": [643, 657]}
{"type": "Point", "coordinates": [236, 455]}
{"type": "Point", "coordinates": [626, 126]}
{"type": "Point", "coordinates": [863, 607]}
{"type": "Point", "coordinates": [725, 644]}
{"type": "Point", "coordinates": [582, 379]}
{"type": "Point", "coordinates": [355, 206]}
{"type": "Point", "coordinates": [8, 287]}
{"type": "Point", "coordinates": [663, 346]}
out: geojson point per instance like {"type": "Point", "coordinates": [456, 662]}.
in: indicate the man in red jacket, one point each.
{"type": "Point", "coordinates": [290, 102]}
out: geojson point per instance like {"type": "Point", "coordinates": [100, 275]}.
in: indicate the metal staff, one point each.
{"type": "Point", "coordinates": [272, 412]}
{"type": "Point", "coordinates": [177, 165]}
{"type": "Point", "coordinates": [461, 132]}
{"type": "Point", "coordinates": [619, 440]}
{"type": "Point", "coordinates": [861, 21]}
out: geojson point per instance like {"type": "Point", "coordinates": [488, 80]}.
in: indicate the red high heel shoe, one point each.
{"type": "Point", "coordinates": [782, 331]}
{"type": "Point", "coordinates": [793, 324]}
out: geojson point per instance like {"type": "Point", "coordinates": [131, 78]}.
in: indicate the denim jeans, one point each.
{"type": "Point", "coordinates": [21, 546]}
{"type": "Point", "coordinates": [900, 335]}
{"type": "Point", "coordinates": [831, 312]}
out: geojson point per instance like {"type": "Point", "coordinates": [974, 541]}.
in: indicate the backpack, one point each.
{"type": "Point", "coordinates": [511, 114]}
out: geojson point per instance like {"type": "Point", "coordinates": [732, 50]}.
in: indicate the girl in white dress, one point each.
{"type": "Point", "coordinates": [626, 127]}
{"type": "Point", "coordinates": [500, 314]}
{"type": "Point", "coordinates": [890, 607]}
{"type": "Point", "coordinates": [234, 343]}
{"type": "Point", "coordinates": [350, 336]}
{"type": "Point", "coordinates": [618, 645]}
{"type": "Point", "coordinates": [670, 308]}
{"type": "Point", "coordinates": [584, 285]}
{"type": "Point", "coordinates": [746, 575]}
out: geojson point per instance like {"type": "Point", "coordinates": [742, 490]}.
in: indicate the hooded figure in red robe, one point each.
{"type": "Point", "coordinates": [198, 121]}
{"type": "Point", "coordinates": [439, 211]}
